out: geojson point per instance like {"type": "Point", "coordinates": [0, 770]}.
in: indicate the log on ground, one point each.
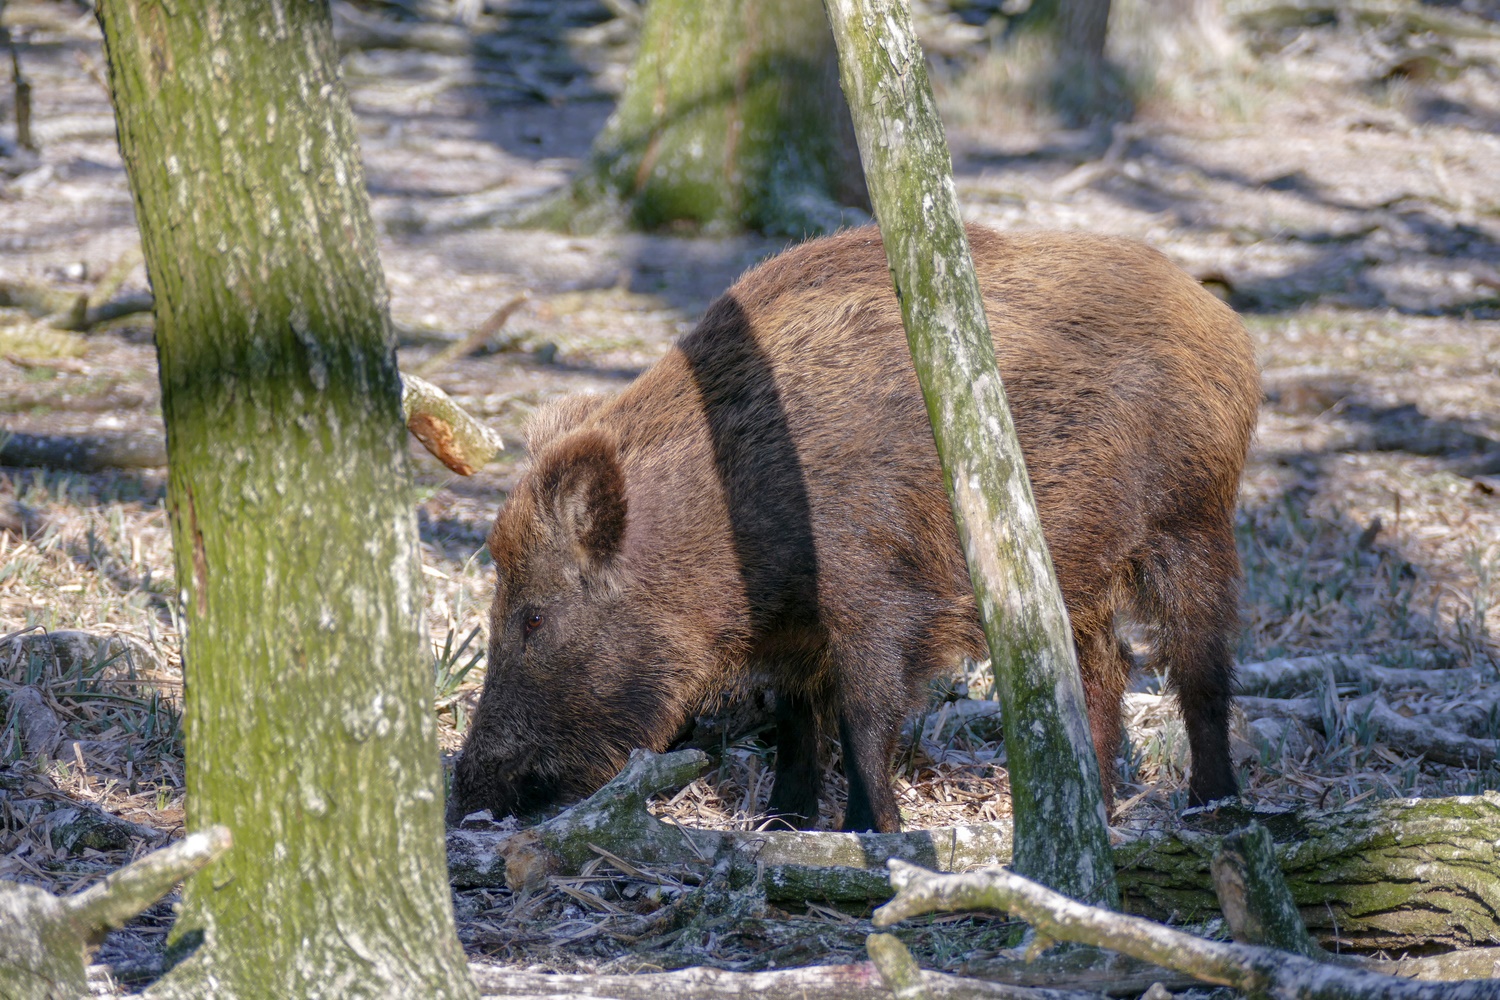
{"type": "Point", "coordinates": [1392, 874]}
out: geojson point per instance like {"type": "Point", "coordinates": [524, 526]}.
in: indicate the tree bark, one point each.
{"type": "Point", "coordinates": [731, 119]}
{"type": "Point", "coordinates": [1257, 904]}
{"type": "Point", "coordinates": [1061, 834]}
{"type": "Point", "coordinates": [307, 676]}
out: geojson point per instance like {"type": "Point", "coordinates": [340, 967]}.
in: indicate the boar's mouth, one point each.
{"type": "Point", "coordinates": [504, 791]}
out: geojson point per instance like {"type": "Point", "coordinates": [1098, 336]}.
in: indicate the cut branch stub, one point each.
{"type": "Point", "coordinates": [446, 429]}
{"type": "Point", "coordinates": [1254, 896]}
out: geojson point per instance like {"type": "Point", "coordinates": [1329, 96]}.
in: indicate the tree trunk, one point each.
{"type": "Point", "coordinates": [732, 120]}
{"type": "Point", "coordinates": [1082, 29]}
{"type": "Point", "coordinates": [1061, 835]}
{"type": "Point", "coordinates": [309, 723]}
{"type": "Point", "coordinates": [1079, 26]}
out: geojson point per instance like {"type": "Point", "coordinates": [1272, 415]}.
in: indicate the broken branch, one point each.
{"type": "Point", "coordinates": [1387, 874]}
{"type": "Point", "coordinates": [1255, 970]}
{"type": "Point", "coordinates": [457, 439]}
{"type": "Point", "coordinates": [817, 982]}
{"type": "Point", "coordinates": [481, 335]}
{"type": "Point", "coordinates": [43, 938]}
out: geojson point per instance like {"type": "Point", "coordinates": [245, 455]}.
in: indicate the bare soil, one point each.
{"type": "Point", "coordinates": [1334, 177]}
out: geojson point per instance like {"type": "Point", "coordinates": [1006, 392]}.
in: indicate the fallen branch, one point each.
{"type": "Point", "coordinates": [44, 938]}
{"type": "Point", "coordinates": [121, 269]}
{"type": "Point", "coordinates": [1388, 874]}
{"type": "Point", "coordinates": [459, 441]}
{"type": "Point", "coordinates": [1300, 674]}
{"type": "Point", "coordinates": [84, 452]}
{"type": "Point", "coordinates": [815, 982]}
{"type": "Point", "coordinates": [793, 865]}
{"type": "Point", "coordinates": [69, 310]}
{"type": "Point", "coordinates": [898, 970]}
{"type": "Point", "coordinates": [1255, 970]}
{"type": "Point", "coordinates": [1092, 970]}
{"type": "Point", "coordinates": [76, 654]}
{"type": "Point", "coordinates": [35, 723]}
{"type": "Point", "coordinates": [1415, 738]}
{"type": "Point", "coordinates": [39, 300]}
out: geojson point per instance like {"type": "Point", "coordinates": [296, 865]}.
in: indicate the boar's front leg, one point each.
{"type": "Point", "coordinates": [799, 778]}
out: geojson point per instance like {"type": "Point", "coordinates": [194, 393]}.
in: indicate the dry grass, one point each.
{"type": "Point", "coordinates": [1367, 522]}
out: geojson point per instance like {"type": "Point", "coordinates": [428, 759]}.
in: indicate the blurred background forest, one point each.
{"type": "Point", "coordinates": [1329, 167]}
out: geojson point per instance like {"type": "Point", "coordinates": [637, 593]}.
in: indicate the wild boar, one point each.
{"type": "Point", "coordinates": [766, 499]}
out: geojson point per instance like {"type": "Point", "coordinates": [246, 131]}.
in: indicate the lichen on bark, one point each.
{"type": "Point", "coordinates": [731, 120]}
{"type": "Point", "coordinates": [309, 730]}
{"type": "Point", "coordinates": [1061, 835]}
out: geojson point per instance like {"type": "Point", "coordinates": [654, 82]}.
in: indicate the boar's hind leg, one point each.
{"type": "Point", "coordinates": [1192, 584]}
{"type": "Point", "coordinates": [869, 721]}
{"type": "Point", "coordinates": [799, 779]}
{"type": "Point", "coordinates": [1104, 666]}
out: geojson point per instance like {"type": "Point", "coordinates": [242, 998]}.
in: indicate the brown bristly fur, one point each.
{"type": "Point", "coordinates": [768, 496]}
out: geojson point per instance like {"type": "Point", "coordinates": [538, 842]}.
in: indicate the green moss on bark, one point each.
{"type": "Point", "coordinates": [1061, 836]}
{"type": "Point", "coordinates": [732, 120]}
{"type": "Point", "coordinates": [308, 703]}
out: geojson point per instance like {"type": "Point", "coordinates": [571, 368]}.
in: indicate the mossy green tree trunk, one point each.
{"type": "Point", "coordinates": [310, 731]}
{"type": "Point", "coordinates": [732, 119]}
{"type": "Point", "coordinates": [1061, 838]}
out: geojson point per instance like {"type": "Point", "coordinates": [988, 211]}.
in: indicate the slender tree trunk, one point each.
{"type": "Point", "coordinates": [310, 732]}
{"type": "Point", "coordinates": [1078, 25]}
{"type": "Point", "coordinates": [1082, 29]}
{"type": "Point", "coordinates": [732, 119]}
{"type": "Point", "coordinates": [1060, 833]}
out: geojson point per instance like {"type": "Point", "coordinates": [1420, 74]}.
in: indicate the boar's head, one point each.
{"type": "Point", "coordinates": [570, 689]}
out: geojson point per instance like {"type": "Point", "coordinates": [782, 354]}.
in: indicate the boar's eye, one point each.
{"type": "Point", "coordinates": [533, 622]}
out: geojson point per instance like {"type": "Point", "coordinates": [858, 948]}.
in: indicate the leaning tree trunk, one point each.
{"type": "Point", "coordinates": [1060, 831]}
{"type": "Point", "coordinates": [309, 722]}
{"type": "Point", "coordinates": [732, 119]}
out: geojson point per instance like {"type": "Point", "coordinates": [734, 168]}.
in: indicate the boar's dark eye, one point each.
{"type": "Point", "coordinates": [533, 622]}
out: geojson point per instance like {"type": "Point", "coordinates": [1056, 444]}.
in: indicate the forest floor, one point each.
{"type": "Point", "coordinates": [1332, 174]}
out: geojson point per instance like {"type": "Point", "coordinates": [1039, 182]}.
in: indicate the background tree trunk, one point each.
{"type": "Point", "coordinates": [1081, 29]}
{"type": "Point", "coordinates": [732, 119]}
{"type": "Point", "coordinates": [1079, 26]}
{"type": "Point", "coordinates": [1061, 838]}
{"type": "Point", "coordinates": [309, 720]}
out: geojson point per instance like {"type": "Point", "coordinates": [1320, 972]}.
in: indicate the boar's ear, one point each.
{"type": "Point", "coordinates": [582, 484]}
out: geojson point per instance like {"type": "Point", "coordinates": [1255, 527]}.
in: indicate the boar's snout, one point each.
{"type": "Point", "coordinates": [486, 777]}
